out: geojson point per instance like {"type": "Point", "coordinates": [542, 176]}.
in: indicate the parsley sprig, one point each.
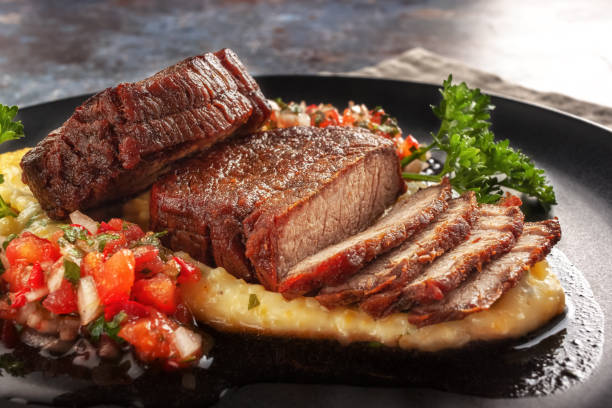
{"type": "Point", "coordinates": [474, 160]}
{"type": "Point", "coordinates": [9, 130]}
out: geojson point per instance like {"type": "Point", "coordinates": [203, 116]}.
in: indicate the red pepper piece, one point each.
{"type": "Point", "coordinates": [143, 255]}
{"type": "Point", "coordinates": [114, 225]}
{"type": "Point", "coordinates": [189, 272]}
{"type": "Point", "coordinates": [37, 277]}
{"type": "Point", "coordinates": [19, 299]}
{"type": "Point", "coordinates": [63, 300]}
{"type": "Point", "coordinates": [81, 227]}
{"type": "Point", "coordinates": [131, 308]}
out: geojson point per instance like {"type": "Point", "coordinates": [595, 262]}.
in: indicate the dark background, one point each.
{"type": "Point", "coordinates": [54, 49]}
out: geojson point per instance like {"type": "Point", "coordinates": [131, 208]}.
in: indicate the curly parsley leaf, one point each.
{"type": "Point", "coordinates": [9, 129]}
{"type": "Point", "coordinates": [474, 160]}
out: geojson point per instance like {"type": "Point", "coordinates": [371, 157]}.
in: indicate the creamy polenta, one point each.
{"type": "Point", "coordinates": [228, 303]}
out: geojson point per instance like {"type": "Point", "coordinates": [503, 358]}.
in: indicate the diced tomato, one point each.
{"type": "Point", "coordinates": [116, 278]}
{"type": "Point", "coordinates": [63, 300]}
{"type": "Point", "coordinates": [158, 291]}
{"type": "Point", "coordinates": [29, 248]}
{"type": "Point", "coordinates": [114, 225]}
{"type": "Point", "coordinates": [143, 255]}
{"type": "Point", "coordinates": [153, 267]}
{"type": "Point", "coordinates": [92, 264]}
{"type": "Point", "coordinates": [333, 116]}
{"type": "Point", "coordinates": [115, 244]}
{"type": "Point", "coordinates": [17, 276]}
{"type": "Point", "coordinates": [36, 280]}
{"type": "Point", "coordinates": [347, 118]}
{"type": "Point", "coordinates": [134, 310]}
{"type": "Point", "coordinates": [132, 231]}
{"type": "Point", "coordinates": [183, 314]}
{"type": "Point", "coordinates": [405, 145]}
{"type": "Point", "coordinates": [151, 337]}
{"type": "Point", "coordinates": [510, 200]}
{"type": "Point", "coordinates": [189, 272]}
{"type": "Point", "coordinates": [18, 299]}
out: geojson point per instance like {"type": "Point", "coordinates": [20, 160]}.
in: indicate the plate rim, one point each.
{"type": "Point", "coordinates": [496, 95]}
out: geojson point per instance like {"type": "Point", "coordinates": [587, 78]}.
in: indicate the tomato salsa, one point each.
{"type": "Point", "coordinates": [323, 115]}
{"type": "Point", "coordinates": [110, 282]}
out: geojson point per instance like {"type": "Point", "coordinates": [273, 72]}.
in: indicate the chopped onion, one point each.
{"type": "Point", "coordinates": [77, 217]}
{"type": "Point", "coordinates": [36, 294]}
{"type": "Point", "coordinates": [303, 119]}
{"type": "Point", "coordinates": [34, 319]}
{"type": "Point", "coordinates": [186, 342]}
{"type": "Point", "coordinates": [88, 300]}
{"type": "Point", "coordinates": [25, 312]}
{"type": "Point", "coordinates": [54, 280]}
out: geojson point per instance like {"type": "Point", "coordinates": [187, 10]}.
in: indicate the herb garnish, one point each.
{"type": "Point", "coordinates": [8, 240]}
{"type": "Point", "coordinates": [150, 238]}
{"type": "Point", "coordinates": [100, 326]}
{"type": "Point", "coordinates": [10, 364]}
{"type": "Point", "coordinates": [9, 130]}
{"type": "Point", "coordinates": [474, 161]}
{"type": "Point", "coordinates": [253, 301]}
{"type": "Point", "coordinates": [72, 271]}
{"type": "Point", "coordinates": [5, 209]}
{"type": "Point", "coordinates": [103, 239]}
{"type": "Point", "coordinates": [72, 233]}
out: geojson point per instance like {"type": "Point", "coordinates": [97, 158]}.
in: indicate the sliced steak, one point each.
{"type": "Point", "coordinates": [484, 288]}
{"type": "Point", "coordinates": [263, 203]}
{"type": "Point", "coordinates": [394, 269]}
{"type": "Point", "coordinates": [122, 138]}
{"type": "Point", "coordinates": [339, 261]}
{"type": "Point", "coordinates": [493, 235]}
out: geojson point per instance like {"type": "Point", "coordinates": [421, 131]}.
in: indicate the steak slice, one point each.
{"type": "Point", "coordinates": [493, 235]}
{"type": "Point", "coordinates": [263, 203]}
{"type": "Point", "coordinates": [482, 289]}
{"type": "Point", "coordinates": [339, 261]}
{"type": "Point", "coordinates": [119, 140]}
{"type": "Point", "coordinates": [394, 269]}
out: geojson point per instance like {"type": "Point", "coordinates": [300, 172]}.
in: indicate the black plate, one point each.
{"type": "Point", "coordinates": [575, 153]}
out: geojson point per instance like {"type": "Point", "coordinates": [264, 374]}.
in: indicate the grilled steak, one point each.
{"type": "Point", "coordinates": [265, 202]}
{"type": "Point", "coordinates": [394, 269]}
{"type": "Point", "coordinates": [119, 140]}
{"type": "Point", "coordinates": [339, 261]}
{"type": "Point", "coordinates": [484, 288]}
{"type": "Point", "coordinates": [493, 235]}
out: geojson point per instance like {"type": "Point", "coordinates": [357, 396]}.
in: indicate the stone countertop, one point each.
{"type": "Point", "coordinates": [58, 48]}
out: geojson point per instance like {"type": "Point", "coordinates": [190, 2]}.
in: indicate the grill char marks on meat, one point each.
{"type": "Point", "coordinates": [122, 138]}
{"type": "Point", "coordinates": [484, 288]}
{"type": "Point", "coordinates": [339, 261]}
{"type": "Point", "coordinates": [264, 202]}
{"type": "Point", "coordinates": [394, 269]}
{"type": "Point", "coordinates": [493, 234]}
